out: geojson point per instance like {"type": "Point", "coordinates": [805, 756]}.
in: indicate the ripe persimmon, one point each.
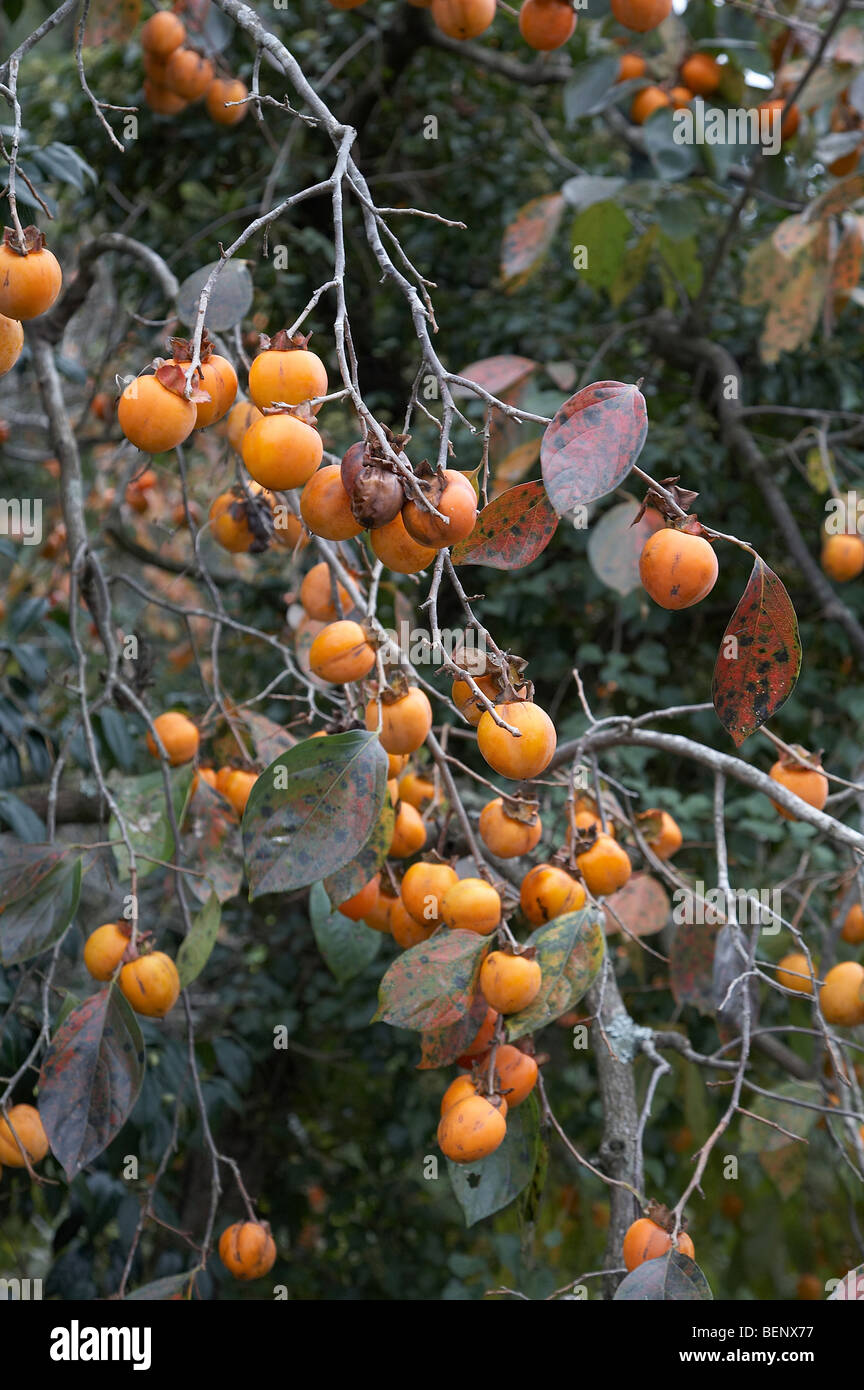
{"type": "Point", "coordinates": [153, 417]}
{"type": "Point", "coordinates": [677, 569]}
{"type": "Point", "coordinates": [630, 65]}
{"type": "Point", "coordinates": [233, 521]}
{"type": "Point", "coordinates": [423, 888]}
{"type": "Point", "coordinates": [463, 19]}
{"type": "Point", "coordinates": [286, 375]}
{"type": "Point", "coordinates": [162, 33]}
{"type": "Point", "coordinates": [396, 763]}
{"type": "Point", "coordinates": [853, 925]}
{"type": "Point", "coordinates": [546, 24]}
{"type": "Point", "coordinates": [793, 971]}
{"type": "Point", "coordinates": [523, 757]}
{"type": "Point", "coordinates": [454, 497]}
{"type": "Point", "coordinates": [509, 983]}
{"type": "Point", "coordinates": [505, 835]}
{"type": "Point", "coordinates": [605, 867]}
{"type": "Point", "coordinates": [104, 949]}
{"type": "Point", "coordinates": [218, 378]}
{"type": "Point", "coordinates": [515, 1074]}
{"type": "Point", "coordinates": [361, 902]}
{"type": "Point", "coordinates": [680, 97]}
{"type": "Point", "coordinates": [790, 122]}
{"type": "Point", "coordinates": [471, 904]}
{"type": "Point", "coordinates": [316, 594]}
{"type": "Point", "coordinates": [247, 1249]}
{"type": "Point", "coordinates": [405, 930]}
{"type": "Point", "coordinates": [645, 1240]}
{"type": "Point", "coordinates": [481, 1040]}
{"type": "Point", "coordinates": [151, 984]}
{"type": "Point", "coordinates": [11, 343]}
{"type": "Point", "coordinates": [548, 891]}
{"type": "Point", "coordinates": [404, 722]}
{"type": "Point", "coordinates": [280, 451]}
{"type": "Point", "coordinates": [808, 783]}
{"type": "Point", "coordinates": [842, 994]}
{"type": "Point", "coordinates": [29, 284]}
{"type": "Point", "coordinates": [460, 1089]}
{"type": "Point", "coordinates": [471, 1129]}
{"type": "Point", "coordinates": [641, 15]}
{"type": "Point", "coordinates": [386, 912]}
{"type": "Point", "coordinates": [163, 100]}
{"type": "Point", "coordinates": [219, 93]}
{"type": "Point", "coordinates": [341, 653]}
{"type": "Point", "coordinates": [27, 1124]}
{"type": "Point", "coordinates": [662, 832]}
{"type": "Point", "coordinates": [702, 74]}
{"type": "Point", "coordinates": [180, 737]}
{"type": "Point", "coordinates": [842, 557]}
{"type": "Point", "coordinates": [188, 73]}
{"type": "Point", "coordinates": [326, 507]}
{"type": "Point", "coordinates": [845, 163]}
{"type": "Point", "coordinates": [238, 787]}
{"type": "Point", "coordinates": [240, 417]}
{"type": "Point", "coordinates": [409, 832]}
{"type": "Point", "coordinates": [397, 550]}
{"type": "Point", "coordinates": [416, 790]}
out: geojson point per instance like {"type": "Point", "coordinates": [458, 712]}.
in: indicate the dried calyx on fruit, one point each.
{"type": "Point", "coordinates": [369, 478]}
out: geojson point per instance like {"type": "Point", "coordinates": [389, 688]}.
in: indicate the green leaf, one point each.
{"type": "Point", "coordinates": [681, 258]}
{"type": "Point", "coordinates": [161, 1289]}
{"type": "Point", "coordinates": [670, 159]}
{"type": "Point", "coordinates": [603, 230]}
{"type": "Point", "coordinates": [34, 921]}
{"type": "Point", "coordinates": [668, 1278]}
{"type": "Point", "coordinates": [492, 1183]}
{"type": "Point", "coordinates": [634, 268]}
{"type": "Point", "coordinates": [347, 947]}
{"type": "Point", "coordinates": [587, 189]}
{"type": "Point", "coordinates": [591, 88]}
{"type": "Point", "coordinates": [141, 801]}
{"type": "Point", "coordinates": [21, 820]}
{"type": "Point", "coordinates": [197, 945]}
{"type": "Point", "coordinates": [570, 953]}
{"type": "Point", "coordinates": [312, 810]}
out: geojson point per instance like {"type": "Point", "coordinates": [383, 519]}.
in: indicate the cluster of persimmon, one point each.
{"type": "Point", "coordinates": [30, 281]}
{"type": "Point", "coordinates": [181, 739]}
{"type": "Point", "coordinates": [177, 76]}
{"type": "Point", "coordinates": [157, 413]}
{"type": "Point", "coordinates": [148, 979]}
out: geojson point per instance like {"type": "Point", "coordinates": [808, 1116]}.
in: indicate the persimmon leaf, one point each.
{"type": "Point", "coordinates": [759, 658]}
{"type": "Point", "coordinates": [592, 443]}
{"type": "Point", "coordinates": [511, 532]}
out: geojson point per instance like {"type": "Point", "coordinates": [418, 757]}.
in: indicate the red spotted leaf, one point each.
{"type": "Point", "coordinates": [353, 876]}
{"type": "Point", "coordinates": [642, 906]}
{"type": "Point", "coordinates": [432, 986]}
{"type": "Point", "coordinates": [593, 442]}
{"type": "Point", "coordinates": [511, 531]}
{"type": "Point", "coordinates": [691, 962]}
{"type": "Point", "coordinates": [439, 1047]}
{"type": "Point", "coordinates": [22, 868]}
{"type": "Point", "coordinates": [846, 271]}
{"type": "Point", "coordinates": [91, 1076]}
{"type": "Point", "coordinates": [615, 544]}
{"type": "Point", "coordinates": [111, 21]}
{"type": "Point", "coordinates": [496, 374]}
{"type": "Point", "coordinates": [529, 237]}
{"type": "Point", "coordinates": [759, 658]}
{"type": "Point", "coordinates": [312, 810]}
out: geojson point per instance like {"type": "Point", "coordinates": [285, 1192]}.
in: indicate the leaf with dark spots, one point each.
{"type": "Point", "coordinates": [570, 953]}
{"type": "Point", "coordinates": [759, 658]}
{"type": "Point", "coordinates": [312, 810]}
{"type": "Point", "coordinates": [667, 1278]}
{"type": "Point", "coordinates": [268, 738]}
{"type": "Point", "coordinates": [196, 947]}
{"type": "Point", "coordinates": [485, 1187]}
{"type": "Point", "coordinates": [592, 443]}
{"type": "Point", "coordinates": [496, 374]}
{"type": "Point", "coordinates": [33, 922]}
{"type": "Point", "coordinates": [356, 874]}
{"type": "Point", "coordinates": [90, 1079]}
{"type": "Point", "coordinates": [511, 532]}
{"type": "Point", "coordinates": [439, 1047]}
{"type": "Point", "coordinates": [691, 963]}
{"type": "Point", "coordinates": [212, 845]}
{"type": "Point", "coordinates": [22, 867]}
{"type": "Point", "coordinates": [431, 985]}
{"type": "Point", "coordinates": [529, 237]}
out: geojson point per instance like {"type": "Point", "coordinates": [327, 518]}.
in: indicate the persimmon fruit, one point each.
{"type": "Point", "coordinates": [509, 983]}
{"type": "Point", "coordinates": [677, 569]}
{"type": "Point", "coordinates": [548, 891]}
{"type": "Point", "coordinates": [325, 505]}
{"type": "Point", "coordinates": [163, 100]}
{"type": "Point", "coordinates": [27, 1124]}
{"type": "Point", "coordinates": [231, 522]}
{"type": "Point", "coordinates": [396, 549]}
{"type": "Point", "coordinates": [471, 904]}
{"type": "Point", "coordinates": [151, 984]}
{"type": "Point", "coordinates": [240, 417]}
{"type": "Point", "coordinates": [11, 343]}
{"type": "Point", "coordinates": [286, 376]}
{"type": "Point", "coordinates": [104, 949]}
{"type": "Point", "coordinates": [808, 783]}
{"type": "Point", "coordinates": [423, 888]}
{"type": "Point", "coordinates": [281, 452]}
{"type": "Point", "coordinates": [853, 925]}
{"type": "Point", "coordinates": [29, 284]}
{"type": "Point", "coordinates": [793, 971]}
{"type": "Point", "coordinates": [842, 557]}
{"type": "Point", "coordinates": [457, 501]}
{"type": "Point", "coordinates": [238, 787]}
{"type": "Point", "coordinates": [481, 1040]}
{"type": "Point", "coordinates": [162, 33]}
{"type": "Point", "coordinates": [316, 594]}
{"type": "Point", "coordinates": [219, 379]}
{"type": "Point", "coordinates": [523, 757]}
{"type": "Point", "coordinates": [404, 722]}
{"type": "Point", "coordinates": [180, 737]}
{"type": "Point", "coordinates": [471, 1129]}
{"type": "Point", "coordinates": [153, 417]}
{"type": "Point", "coordinates": [515, 1074]}
{"type": "Point", "coordinates": [791, 121]}
{"type": "Point", "coordinates": [645, 1240]}
{"type": "Point", "coordinates": [641, 15]}
{"type": "Point", "coordinates": [341, 653]}
{"type": "Point", "coordinates": [219, 93]}
{"type": "Point", "coordinates": [630, 65]}
{"type": "Point", "coordinates": [463, 19]}
{"type": "Point", "coordinates": [605, 866]}
{"type": "Point", "coordinates": [505, 835]}
{"type": "Point", "coordinates": [188, 73]}
{"type": "Point", "coordinates": [702, 74]}
{"type": "Point", "coordinates": [460, 1089]}
{"type": "Point", "coordinates": [416, 790]}
{"type": "Point", "coordinates": [546, 24]}
{"type": "Point", "coordinates": [247, 1249]}
{"type": "Point", "coordinates": [664, 835]}
{"type": "Point", "coordinates": [842, 994]}
{"type": "Point", "coordinates": [409, 832]}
